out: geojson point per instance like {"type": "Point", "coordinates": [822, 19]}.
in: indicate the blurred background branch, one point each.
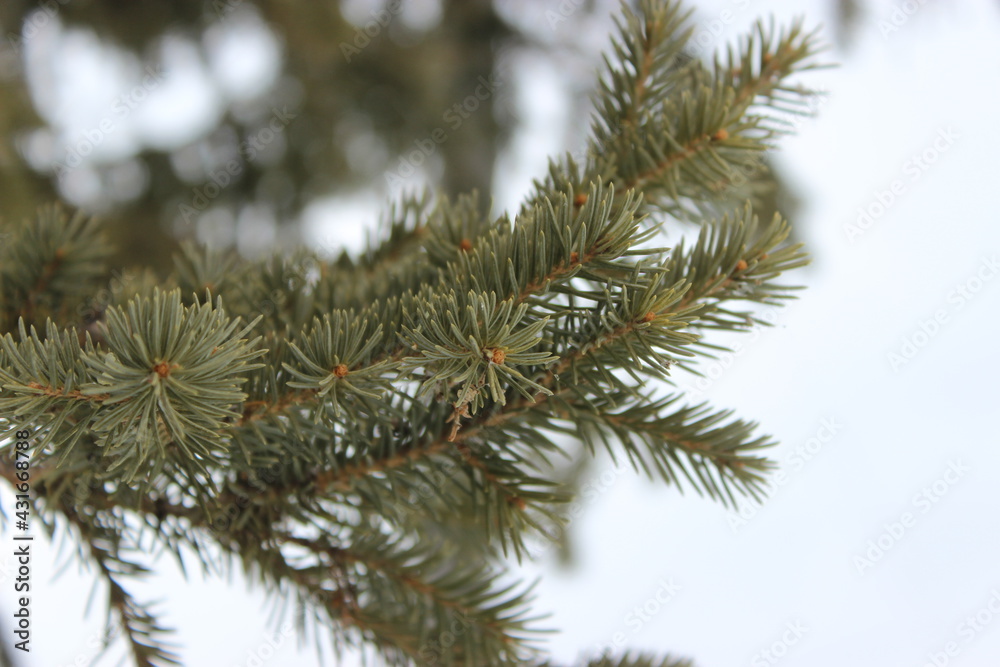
{"type": "Point", "coordinates": [228, 121]}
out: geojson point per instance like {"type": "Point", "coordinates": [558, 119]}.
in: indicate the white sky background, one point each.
{"type": "Point", "coordinates": [899, 430]}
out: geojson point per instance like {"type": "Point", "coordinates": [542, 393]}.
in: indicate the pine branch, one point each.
{"type": "Point", "coordinates": [638, 320]}
{"type": "Point", "coordinates": [584, 243]}
{"type": "Point", "coordinates": [759, 68]}
{"type": "Point", "coordinates": [141, 630]}
{"type": "Point", "coordinates": [638, 660]}
{"type": "Point", "coordinates": [422, 236]}
{"type": "Point", "coordinates": [649, 50]}
{"type": "Point", "coordinates": [403, 231]}
{"type": "Point", "coordinates": [677, 130]}
{"type": "Point", "coordinates": [377, 405]}
{"type": "Point", "coordinates": [48, 266]}
{"type": "Point", "coordinates": [102, 538]}
{"type": "Point", "coordinates": [690, 443]}
{"type": "Point", "coordinates": [736, 260]}
{"type": "Point", "coordinates": [41, 376]}
{"type": "Point", "coordinates": [635, 322]}
{"type": "Point", "coordinates": [388, 581]}
{"type": "Point", "coordinates": [511, 498]}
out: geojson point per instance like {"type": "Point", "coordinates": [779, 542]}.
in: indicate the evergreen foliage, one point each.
{"type": "Point", "coordinates": [369, 436]}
